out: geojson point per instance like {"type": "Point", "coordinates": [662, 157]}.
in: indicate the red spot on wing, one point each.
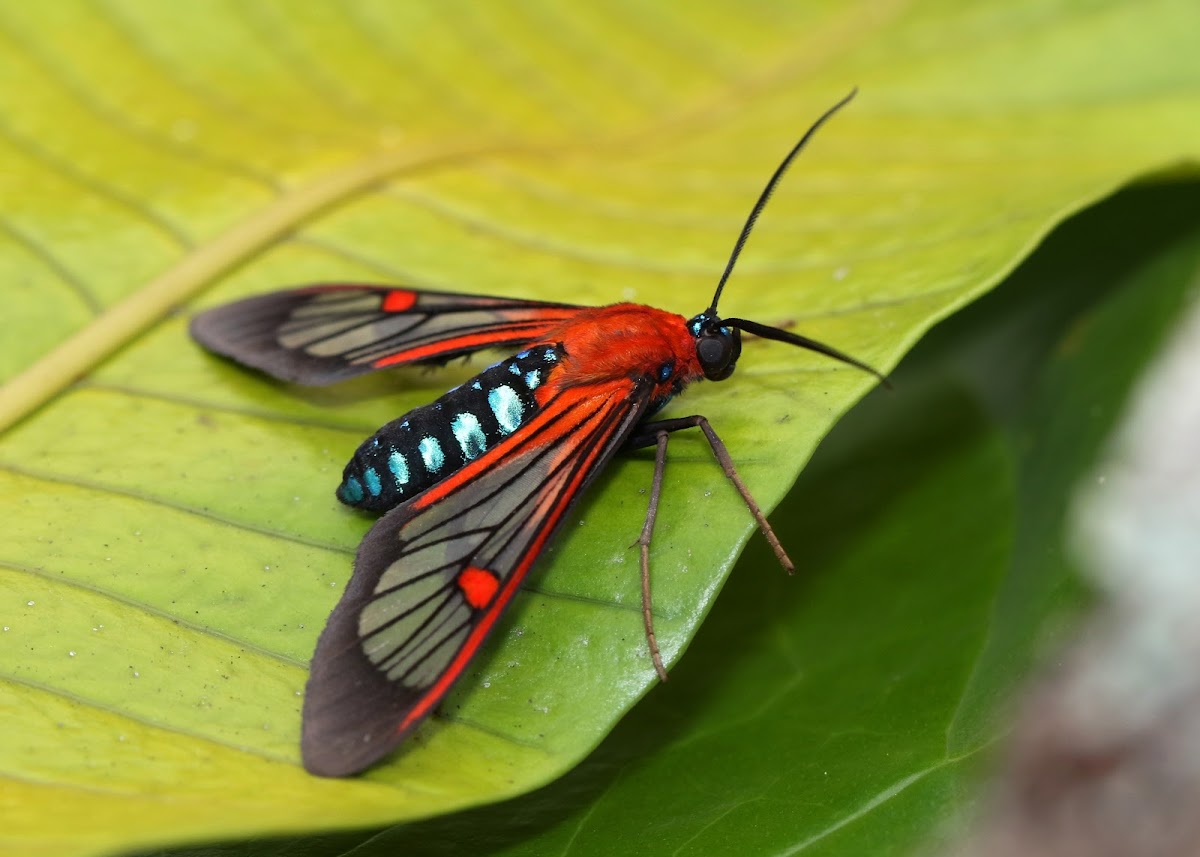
{"type": "Point", "coordinates": [478, 586]}
{"type": "Point", "coordinates": [399, 300]}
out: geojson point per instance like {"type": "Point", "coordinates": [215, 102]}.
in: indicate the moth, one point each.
{"type": "Point", "coordinates": [473, 486]}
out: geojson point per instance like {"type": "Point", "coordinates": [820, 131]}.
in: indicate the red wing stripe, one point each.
{"type": "Point", "coordinates": [474, 341]}
{"type": "Point", "coordinates": [564, 472]}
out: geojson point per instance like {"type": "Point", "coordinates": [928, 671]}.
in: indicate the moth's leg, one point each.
{"type": "Point", "coordinates": [648, 433]}
{"type": "Point", "coordinates": [656, 434]}
{"type": "Point", "coordinates": [660, 464]}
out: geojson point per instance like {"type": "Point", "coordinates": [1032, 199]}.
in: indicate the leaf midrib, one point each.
{"type": "Point", "coordinates": [116, 326]}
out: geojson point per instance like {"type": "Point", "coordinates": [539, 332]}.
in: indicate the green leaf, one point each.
{"type": "Point", "coordinates": [172, 548]}
{"type": "Point", "coordinates": [847, 711]}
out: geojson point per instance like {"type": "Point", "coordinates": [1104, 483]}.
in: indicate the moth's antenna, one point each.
{"type": "Point", "coordinates": [761, 330]}
{"type": "Point", "coordinates": [770, 189]}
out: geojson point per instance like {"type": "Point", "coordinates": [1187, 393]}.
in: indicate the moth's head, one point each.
{"type": "Point", "coordinates": [718, 345]}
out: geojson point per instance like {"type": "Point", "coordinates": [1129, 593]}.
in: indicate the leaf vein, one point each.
{"type": "Point", "coordinates": [64, 169]}
{"type": "Point", "coordinates": [75, 285]}
{"type": "Point", "coordinates": [100, 487]}
{"type": "Point", "coordinates": [144, 721]}
{"type": "Point", "coordinates": [139, 41]}
{"type": "Point", "coordinates": [272, 34]}
{"type": "Point", "coordinates": [205, 630]}
{"type": "Point", "coordinates": [87, 99]}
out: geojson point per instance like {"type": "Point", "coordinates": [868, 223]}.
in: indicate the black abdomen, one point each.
{"type": "Point", "coordinates": [431, 442]}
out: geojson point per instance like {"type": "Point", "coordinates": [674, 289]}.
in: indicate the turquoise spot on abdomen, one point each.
{"type": "Point", "coordinates": [431, 454]}
{"type": "Point", "coordinates": [398, 465]}
{"type": "Point", "coordinates": [350, 491]}
{"type": "Point", "coordinates": [469, 434]}
{"type": "Point", "coordinates": [507, 407]}
{"type": "Point", "coordinates": [371, 478]}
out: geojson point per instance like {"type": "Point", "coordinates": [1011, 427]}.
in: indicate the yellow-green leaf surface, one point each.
{"type": "Point", "coordinates": [170, 546]}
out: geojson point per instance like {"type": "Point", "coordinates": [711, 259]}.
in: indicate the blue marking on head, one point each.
{"type": "Point", "coordinates": [533, 379]}
{"type": "Point", "coordinates": [371, 478]}
{"type": "Point", "coordinates": [398, 465]}
{"type": "Point", "coordinates": [404, 424]}
{"type": "Point", "coordinates": [514, 368]}
{"type": "Point", "coordinates": [350, 491]}
{"type": "Point", "coordinates": [550, 357]}
{"type": "Point", "coordinates": [694, 327]}
{"type": "Point", "coordinates": [521, 355]}
{"type": "Point", "coordinates": [476, 386]}
{"type": "Point", "coordinates": [375, 442]}
{"type": "Point", "coordinates": [507, 407]}
{"type": "Point", "coordinates": [431, 454]}
{"type": "Point", "coordinates": [469, 434]}
{"type": "Point", "coordinates": [665, 370]}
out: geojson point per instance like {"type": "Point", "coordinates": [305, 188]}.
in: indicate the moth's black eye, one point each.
{"type": "Point", "coordinates": [718, 349]}
{"type": "Point", "coordinates": [713, 351]}
{"type": "Point", "coordinates": [664, 371]}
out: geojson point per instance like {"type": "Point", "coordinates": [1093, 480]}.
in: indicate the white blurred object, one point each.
{"type": "Point", "coordinates": [1105, 759]}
